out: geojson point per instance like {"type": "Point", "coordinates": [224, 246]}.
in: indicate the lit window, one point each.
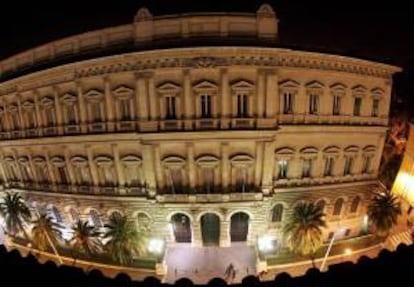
{"type": "Point", "coordinates": [338, 206]}
{"type": "Point", "coordinates": [205, 106]}
{"type": "Point", "coordinates": [170, 113]}
{"type": "Point", "coordinates": [329, 164]}
{"type": "Point", "coordinates": [287, 103]}
{"type": "Point", "coordinates": [283, 169]}
{"type": "Point", "coordinates": [277, 213]}
{"type": "Point", "coordinates": [349, 162]}
{"type": "Point", "coordinates": [355, 204]}
{"type": "Point", "coordinates": [242, 106]}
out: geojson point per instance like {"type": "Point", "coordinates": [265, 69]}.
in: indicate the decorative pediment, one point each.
{"type": "Point", "coordinates": [332, 149]}
{"type": "Point", "coordinates": [68, 98]}
{"type": "Point", "coordinates": [377, 92]}
{"type": "Point", "coordinates": [338, 89]}
{"type": "Point", "coordinates": [314, 85]}
{"type": "Point", "coordinates": [285, 151]}
{"type": "Point", "coordinates": [173, 161]}
{"type": "Point", "coordinates": [351, 148]}
{"type": "Point", "coordinates": [39, 160]}
{"type": "Point", "coordinates": [23, 160]}
{"type": "Point", "coordinates": [170, 88]}
{"type": "Point", "coordinates": [94, 95]}
{"type": "Point", "coordinates": [28, 105]}
{"type": "Point", "coordinates": [13, 108]}
{"type": "Point", "coordinates": [309, 150]}
{"type": "Point", "coordinates": [123, 92]}
{"type": "Point", "coordinates": [58, 161]}
{"type": "Point", "coordinates": [205, 86]}
{"type": "Point", "coordinates": [207, 160]}
{"type": "Point", "coordinates": [242, 85]}
{"type": "Point", "coordinates": [265, 10]}
{"type": "Point", "coordinates": [370, 148]}
{"type": "Point", "coordinates": [131, 159]}
{"type": "Point", "coordinates": [47, 101]}
{"type": "Point", "coordinates": [359, 90]}
{"type": "Point", "coordinates": [288, 84]}
{"type": "Point", "coordinates": [79, 160]}
{"type": "Point", "coordinates": [103, 160]}
{"type": "Point", "coordinates": [143, 14]}
{"type": "Point", "coordinates": [241, 159]}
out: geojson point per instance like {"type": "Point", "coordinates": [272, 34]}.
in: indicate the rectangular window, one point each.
{"type": "Point", "coordinates": [349, 161]}
{"type": "Point", "coordinates": [287, 103]}
{"type": "Point", "coordinates": [366, 164]}
{"type": "Point", "coordinates": [42, 175]}
{"type": "Point", "coordinates": [205, 106]}
{"type": "Point", "coordinates": [63, 175]}
{"type": "Point", "coordinates": [50, 117]}
{"type": "Point", "coordinates": [125, 109]}
{"type": "Point", "coordinates": [329, 163]}
{"type": "Point", "coordinates": [31, 118]}
{"type": "Point", "coordinates": [176, 180]}
{"type": "Point", "coordinates": [170, 108]}
{"type": "Point", "coordinates": [241, 179]}
{"type": "Point", "coordinates": [70, 111]}
{"type": "Point", "coordinates": [307, 168]}
{"type": "Point", "coordinates": [133, 175]}
{"type": "Point", "coordinates": [15, 120]}
{"type": "Point", "coordinates": [242, 106]}
{"type": "Point", "coordinates": [208, 179]}
{"type": "Point", "coordinates": [283, 169]}
{"type": "Point", "coordinates": [375, 108]}
{"type": "Point", "coordinates": [336, 105]}
{"type": "Point", "coordinates": [357, 106]}
{"type": "Point", "coordinates": [96, 112]}
{"type": "Point", "coordinates": [313, 104]}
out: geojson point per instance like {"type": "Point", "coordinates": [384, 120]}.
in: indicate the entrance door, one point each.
{"type": "Point", "coordinates": [239, 227]}
{"type": "Point", "coordinates": [210, 229]}
{"type": "Point", "coordinates": [182, 228]}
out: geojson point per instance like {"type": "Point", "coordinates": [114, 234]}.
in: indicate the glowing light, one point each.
{"type": "Point", "coordinates": [265, 243]}
{"type": "Point", "coordinates": [156, 245]}
{"type": "Point", "coordinates": [348, 251]}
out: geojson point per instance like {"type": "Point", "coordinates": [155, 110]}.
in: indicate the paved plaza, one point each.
{"type": "Point", "coordinates": [201, 264]}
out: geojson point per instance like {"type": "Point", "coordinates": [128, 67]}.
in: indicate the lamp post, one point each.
{"type": "Point", "coordinates": [329, 248]}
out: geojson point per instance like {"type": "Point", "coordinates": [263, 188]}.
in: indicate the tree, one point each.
{"type": "Point", "coordinates": [15, 213]}
{"type": "Point", "coordinates": [383, 212]}
{"type": "Point", "coordinates": [85, 238]}
{"type": "Point", "coordinates": [124, 239]}
{"type": "Point", "coordinates": [46, 232]}
{"type": "Point", "coordinates": [303, 230]}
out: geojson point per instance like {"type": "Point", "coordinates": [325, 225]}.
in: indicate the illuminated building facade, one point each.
{"type": "Point", "coordinates": [201, 143]}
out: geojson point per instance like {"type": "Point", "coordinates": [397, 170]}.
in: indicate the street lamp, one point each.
{"type": "Point", "coordinates": [337, 232]}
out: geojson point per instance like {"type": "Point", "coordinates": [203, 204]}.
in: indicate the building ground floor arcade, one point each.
{"type": "Point", "coordinates": [211, 220]}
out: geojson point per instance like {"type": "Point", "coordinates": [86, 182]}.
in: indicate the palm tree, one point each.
{"type": "Point", "coordinates": [85, 238]}
{"type": "Point", "coordinates": [303, 231]}
{"type": "Point", "coordinates": [46, 232]}
{"type": "Point", "coordinates": [383, 212]}
{"type": "Point", "coordinates": [124, 239]}
{"type": "Point", "coordinates": [15, 213]}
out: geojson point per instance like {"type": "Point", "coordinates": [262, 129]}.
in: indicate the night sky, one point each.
{"type": "Point", "coordinates": [381, 32]}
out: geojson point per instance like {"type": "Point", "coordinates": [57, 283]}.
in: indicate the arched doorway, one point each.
{"type": "Point", "coordinates": [181, 225]}
{"type": "Point", "coordinates": [210, 229]}
{"type": "Point", "coordinates": [239, 227]}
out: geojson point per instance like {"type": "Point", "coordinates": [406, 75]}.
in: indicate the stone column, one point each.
{"type": "Point", "coordinates": [260, 108]}
{"type": "Point", "coordinates": [109, 104]}
{"type": "Point", "coordinates": [225, 100]}
{"type": "Point", "coordinates": [82, 108]}
{"type": "Point", "coordinates": [189, 112]}
{"type": "Point", "coordinates": [225, 240]}
{"type": "Point", "coordinates": [268, 166]}
{"type": "Point", "coordinates": [149, 154]}
{"type": "Point", "coordinates": [225, 165]}
{"type": "Point", "coordinates": [258, 163]}
{"type": "Point", "coordinates": [191, 165]}
{"type": "Point", "coordinates": [118, 167]}
{"type": "Point", "coordinates": [59, 112]}
{"type": "Point", "coordinates": [92, 166]}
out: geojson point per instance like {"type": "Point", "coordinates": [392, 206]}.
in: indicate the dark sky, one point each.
{"type": "Point", "coordinates": [381, 31]}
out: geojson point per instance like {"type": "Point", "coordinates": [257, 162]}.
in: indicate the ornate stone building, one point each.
{"type": "Point", "coordinates": [200, 142]}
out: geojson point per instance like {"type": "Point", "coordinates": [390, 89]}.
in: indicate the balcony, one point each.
{"type": "Point", "coordinates": [243, 123]}
{"type": "Point", "coordinates": [212, 197]}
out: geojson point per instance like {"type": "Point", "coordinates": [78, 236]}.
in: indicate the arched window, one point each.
{"type": "Point", "coordinates": [74, 214]}
{"type": "Point", "coordinates": [355, 204]}
{"type": "Point", "coordinates": [338, 206]}
{"type": "Point", "coordinates": [321, 204]}
{"type": "Point", "coordinates": [143, 221]}
{"type": "Point", "coordinates": [277, 213]}
{"type": "Point", "coordinates": [116, 214]}
{"type": "Point", "coordinates": [96, 220]}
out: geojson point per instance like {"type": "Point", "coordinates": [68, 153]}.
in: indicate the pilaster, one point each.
{"type": "Point", "coordinates": [118, 167]}
{"type": "Point", "coordinates": [225, 165]}
{"type": "Point", "coordinates": [92, 166]}
{"type": "Point", "coordinates": [225, 100]}
{"type": "Point", "coordinates": [109, 104]}
{"type": "Point", "coordinates": [188, 101]}
{"type": "Point", "coordinates": [82, 107]}
{"type": "Point", "coordinates": [58, 109]}
{"type": "Point", "coordinates": [225, 240]}
{"type": "Point", "coordinates": [149, 154]}
{"type": "Point", "coordinates": [191, 165]}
